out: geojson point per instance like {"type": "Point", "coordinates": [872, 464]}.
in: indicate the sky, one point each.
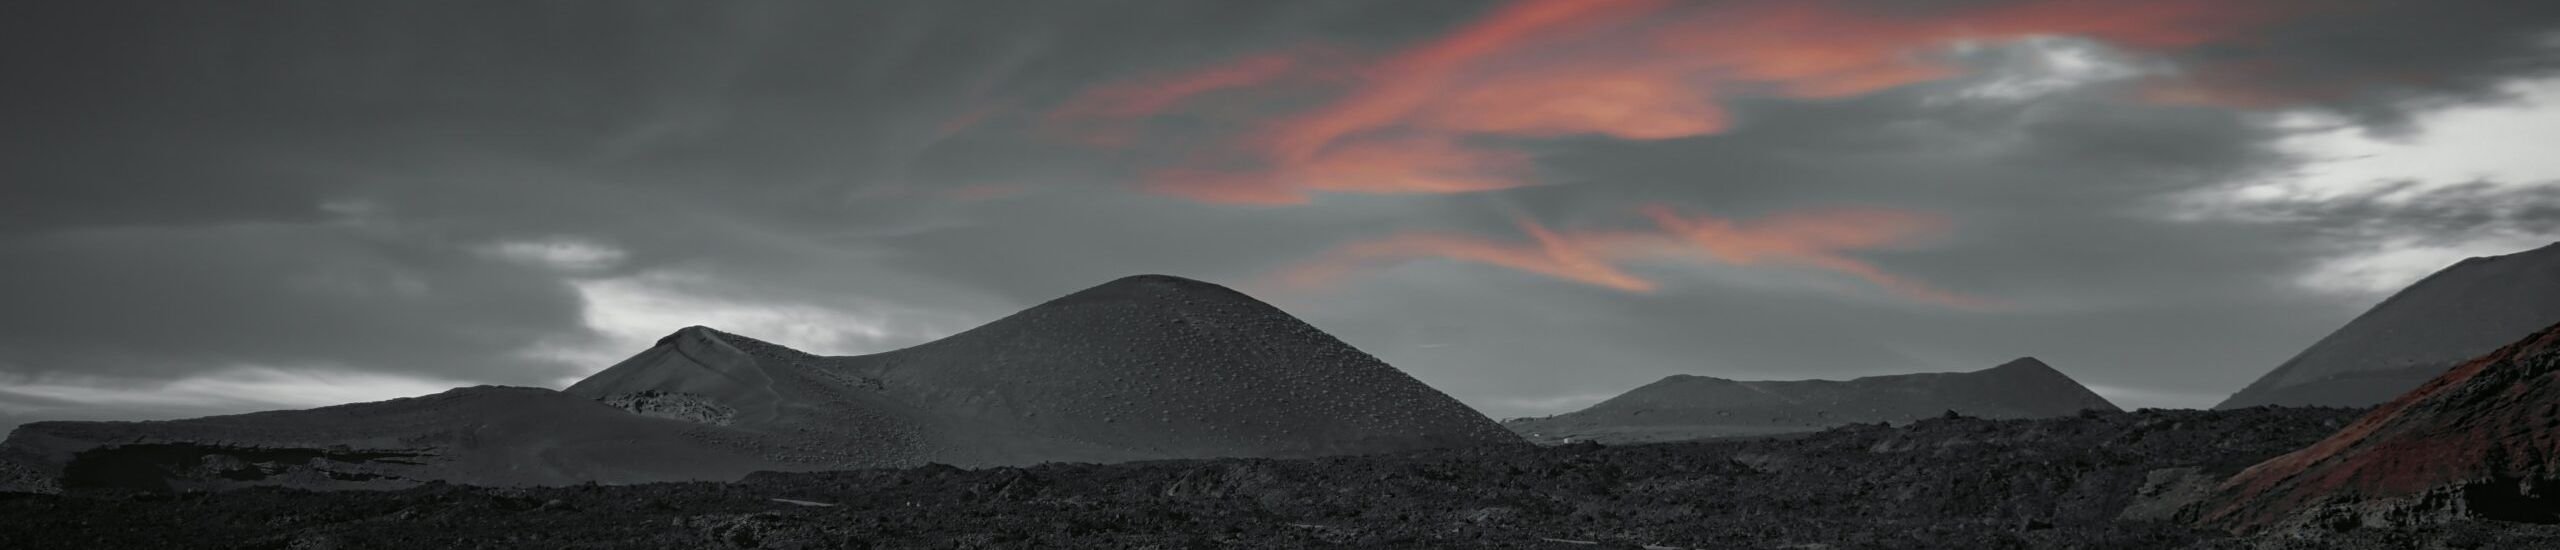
{"type": "Point", "coordinates": [1529, 204]}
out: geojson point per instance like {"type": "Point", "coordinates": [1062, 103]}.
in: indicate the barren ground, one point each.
{"type": "Point", "coordinates": [1941, 483]}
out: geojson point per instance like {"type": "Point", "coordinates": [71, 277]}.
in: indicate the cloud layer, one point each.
{"type": "Point", "coordinates": [1524, 203]}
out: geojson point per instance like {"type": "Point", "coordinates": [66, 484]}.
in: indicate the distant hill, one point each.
{"type": "Point", "coordinates": [2479, 441]}
{"type": "Point", "coordinates": [1146, 367]}
{"type": "Point", "coordinates": [486, 435]}
{"type": "Point", "coordinates": [1692, 407]}
{"type": "Point", "coordinates": [2461, 312]}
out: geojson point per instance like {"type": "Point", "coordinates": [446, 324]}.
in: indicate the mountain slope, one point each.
{"type": "Point", "coordinates": [2481, 440]}
{"type": "Point", "coordinates": [2467, 309]}
{"type": "Point", "coordinates": [1144, 367]}
{"type": "Point", "coordinates": [1147, 367]}
{"type": "Point", "coordinates": [1690, 407]}
{"type": "Point", "coordinates": [487, 435]}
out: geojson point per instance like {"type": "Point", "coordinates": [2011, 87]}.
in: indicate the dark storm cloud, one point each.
{"type": "Point", "coordinates": [2378, 59]}
{"type": "Point", "coordinates": [322, 185]}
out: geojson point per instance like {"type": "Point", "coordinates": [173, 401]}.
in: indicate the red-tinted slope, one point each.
{"type": "Point", "coordinates": [2487, 432]}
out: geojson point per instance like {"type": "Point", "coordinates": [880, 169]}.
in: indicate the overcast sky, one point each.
{"type": "Point", "coordinates": [1531, 205]}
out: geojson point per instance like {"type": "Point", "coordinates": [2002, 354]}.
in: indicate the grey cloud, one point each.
{"type": "Point", "coordinates": [171, 164]}
{"type": "Point", "coordinates": [2378, 60]}
{"type": "Point", "coordinates": [2432, 214]}
{"type": "Point", "coordinates": [178, 166]}
{"type": "Point", "coordinates": [2383, 60]}
{"type": "Point", "coordinates": [162, 301]}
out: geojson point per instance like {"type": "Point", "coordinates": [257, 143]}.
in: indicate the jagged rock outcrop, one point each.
{"type": "Point", "coordinates": [2481, 441]}
{"type": "Point", "coordinates": [2466, 310]}
{"type": "Point", "coordinates": [1692, 407]}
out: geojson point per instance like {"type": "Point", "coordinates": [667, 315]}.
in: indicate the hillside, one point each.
{"type": "Point", "coordinates": [1142, 368]}
{"type": "Point", "coordinates": [2468, 309]}
{"type": "Point", "coordinates": [2479, 441]}
{"type": "Point", "coordinates": [487, 435]}
{"type": "Point", "coordinates": [1692, 407]}
{"type": "Point", "coordinates": [1145, 367]}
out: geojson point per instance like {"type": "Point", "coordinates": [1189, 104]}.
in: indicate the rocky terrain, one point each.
{"type": "Point", "coordinates": [2468, 309]}
{"type": "Point", "coordinates": [1686, 407]}
{"type": "Point", "coordinates": [2481, 441]}
{"type": "Point", "coordinates": [1142, 368]}
{"type": "Point", "coordinates": [2096, 480]}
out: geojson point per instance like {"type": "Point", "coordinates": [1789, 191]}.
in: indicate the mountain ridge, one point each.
{"type": "Point", "coordinates": [1206, 370]}
{"type": "Point", "coordinates": [2466, 309]}
{"type": "Point", "coordinates": [1139, 368]}
{"type": "Point", "coordinates": [1684, 406]}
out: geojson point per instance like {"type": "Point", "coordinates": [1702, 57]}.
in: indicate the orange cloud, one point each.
{"type": "Point", "coordinates": [1819, 240]}
{"type": "Point", "coordinates": [1157, 94]}
{"type": "Point", "coordinates": [1409, 81]}
{"type": "Point", "coordinates": [986, 191]}
{"type": "Point", "coordinates": [1548, 253]}
{"type": "Point", "coordinates": [1232, 187]}
{"type": "Point", "coordinates": [1104, 115]}
{"type": "Point", "coordinates": [1413, 164]}
{"type": "Point", "coordinates": [1816, 239]}
{"type": "Point", "coordinates": [1441, 116]}
{"type": "Point", "coordinates": [1630, 105]}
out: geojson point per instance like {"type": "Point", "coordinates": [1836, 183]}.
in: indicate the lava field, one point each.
{"type": "Point", "coordinates": [2097, 480]}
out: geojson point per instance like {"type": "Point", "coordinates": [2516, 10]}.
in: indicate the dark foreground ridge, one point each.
{"type": "Point", "coordinates": [2098, 480]}
{"type": "Point", "coordinates": [2480, 441]}
{"type": "Point", "coordinates": [1684, 407]}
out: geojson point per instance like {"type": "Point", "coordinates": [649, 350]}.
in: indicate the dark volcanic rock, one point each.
{"type": "Point", "coordinates": [2454, 315]}
{"type": "Point", "coordinates": [1692, 407]}
{"type": "Point", "coordinates": [487, 435]}
{"type": "Point", "coordinates": [2482, 441]}
{"type": "Point", "coordinates": [1147, 367]}
{"type": "Point", "coordinates": [1940, 483]}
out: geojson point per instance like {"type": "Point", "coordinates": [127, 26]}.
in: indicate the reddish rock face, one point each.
{"type": "Point", "coordinates": [2482, 440]}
